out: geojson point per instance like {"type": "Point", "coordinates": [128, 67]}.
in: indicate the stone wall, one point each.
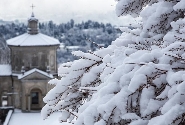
{"type": "Point", "coordinates": [20, 95]}
{"type": "Point", "coordinates": [34, 57]}
{"type": "Point", "coordinates": [6, 88]}
{"type": "Point", "coordinates": [27, 87]}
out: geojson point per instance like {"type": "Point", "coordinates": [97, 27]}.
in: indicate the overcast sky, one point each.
{"type": "Point", "coordinates": [62, 10]}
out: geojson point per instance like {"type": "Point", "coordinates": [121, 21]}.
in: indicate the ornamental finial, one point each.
{"type": "Point", "coordinates": [32, 10]}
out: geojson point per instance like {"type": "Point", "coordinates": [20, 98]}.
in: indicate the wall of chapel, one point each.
{"type": "Point", "coordinates": [34, 57]}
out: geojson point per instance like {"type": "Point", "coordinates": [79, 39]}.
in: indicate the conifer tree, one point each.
{"type": "Point", "coordinates": [138, 80]}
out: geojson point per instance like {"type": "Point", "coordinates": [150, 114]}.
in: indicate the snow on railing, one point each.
{"type": "Point", "coordinates": [8, 117]}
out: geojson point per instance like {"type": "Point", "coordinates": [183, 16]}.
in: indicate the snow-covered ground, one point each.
{"type": "Point", "coordinates": [34, 118]}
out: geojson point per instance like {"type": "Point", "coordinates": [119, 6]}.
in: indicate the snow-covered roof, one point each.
{"type": "Point", "coordinates": [35, 70]}
{"type": "Point", "coordinates": [32, 17]}
{"type": "Point", "coordinates": [5, 70]}
{"type": "Point", "coordinates": [33, 40]}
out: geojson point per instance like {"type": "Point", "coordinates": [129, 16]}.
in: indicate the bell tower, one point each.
{"type": "Point", "coordinates": [32, 24]}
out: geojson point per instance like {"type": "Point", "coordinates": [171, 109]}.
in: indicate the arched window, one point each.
{"type": "Point", "coordinates": [52, 60]}
{"type": "Point", "coordinates": [16, 61]}
{"type": "Point", "coordinates": [44, 61]}
{"type": "Point", "coordinates": [35, 60]}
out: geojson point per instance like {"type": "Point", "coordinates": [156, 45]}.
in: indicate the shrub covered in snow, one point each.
{"type": "Point", "coordinates": [138, 80]}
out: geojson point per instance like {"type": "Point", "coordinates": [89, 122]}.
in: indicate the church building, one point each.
{"type": "Point", "coordinates": [24, 82]}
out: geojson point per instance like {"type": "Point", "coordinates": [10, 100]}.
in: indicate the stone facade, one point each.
{"type": "Point", "coordinates": [34, 83]}
{"type": "Point", "coordinates": [40, 57]}
{"type": "Point", "coordinates": [5, 88]}
{"type": "Point", "coordinates": [33, 64]}
{"type": "Point", "coordinates": [18, 92]}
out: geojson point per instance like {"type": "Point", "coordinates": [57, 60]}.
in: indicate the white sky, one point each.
{"type": "Point", "coordinates": [62, 10]}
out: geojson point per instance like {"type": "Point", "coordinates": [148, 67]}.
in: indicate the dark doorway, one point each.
{"type": "Point", "coordinates": [34, 98]}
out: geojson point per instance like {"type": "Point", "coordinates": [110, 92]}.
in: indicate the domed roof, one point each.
{"type": "Point", "coordinates": [33, 37]}
{"type": "Point", "coordinates": [33, 40]}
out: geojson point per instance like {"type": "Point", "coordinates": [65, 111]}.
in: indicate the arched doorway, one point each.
{"type": "Point", "coordinates": [36, 99]}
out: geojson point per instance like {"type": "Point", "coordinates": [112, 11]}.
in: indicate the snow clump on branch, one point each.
{"type": "Point", "coordinates": [138, 80]}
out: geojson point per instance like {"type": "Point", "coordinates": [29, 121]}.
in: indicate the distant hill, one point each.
{"type": "Point", "coordinates": [69, 34]}
{"type": "Point", "coordinates": [2, 22]}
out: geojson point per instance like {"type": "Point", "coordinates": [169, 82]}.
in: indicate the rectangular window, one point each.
{"type": "Point", "coordinates": [4, 100]}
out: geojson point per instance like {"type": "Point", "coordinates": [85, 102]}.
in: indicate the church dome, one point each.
{"type": "Point", "coordinates": [32, 40]}
{"type": "Point", "coordinates": [33, 37]}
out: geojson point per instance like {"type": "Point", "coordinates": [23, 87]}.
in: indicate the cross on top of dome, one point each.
{"type": "Point", "coordinates": [32, 10]}
{"type": "Point", "coordinates": [32, 7]}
